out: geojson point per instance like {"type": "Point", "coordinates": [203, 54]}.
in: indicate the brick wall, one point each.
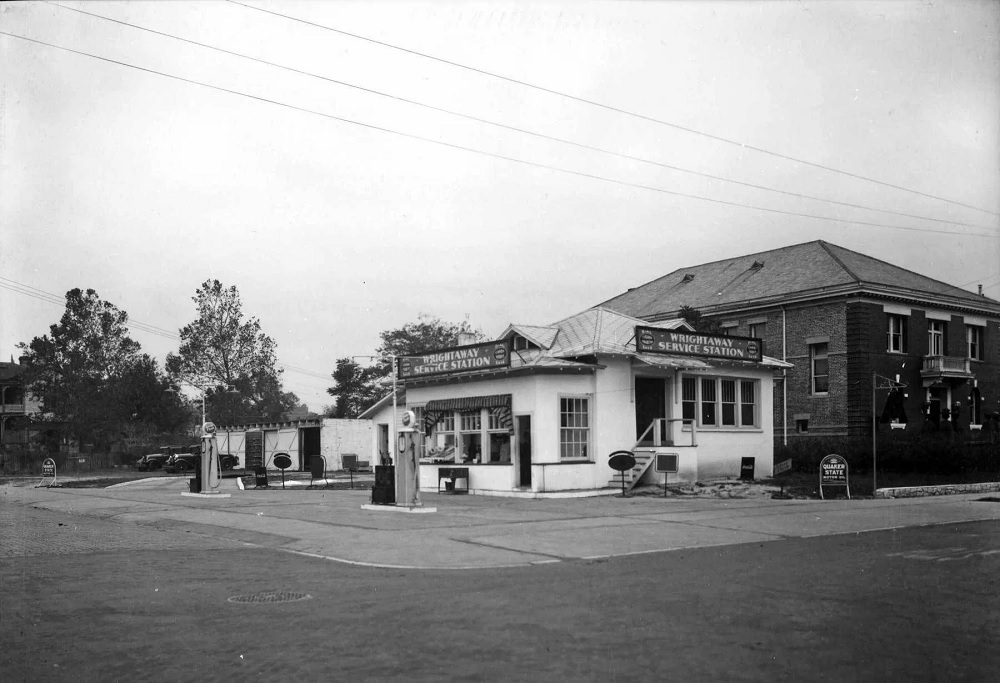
{"type": "Point", "coordinates": [858, 347]}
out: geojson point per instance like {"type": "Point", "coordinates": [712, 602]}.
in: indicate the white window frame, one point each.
{"type": "Point", "coordinates": [974, 342]}
{"type": "Point", "coordinates": [712, 386]}
{"type": "Point", "coordinates": [815, 356]}
{"type": "Point", "coordinates": [937, 331]}
{"type": "Point", "coordinates": [453, 424]}
{"type": "Point", "coordinates": [565, 428]}
{"type": "Point", "coordinates": [896, 333]}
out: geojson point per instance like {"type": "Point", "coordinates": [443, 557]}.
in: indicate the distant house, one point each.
{"type": "Point", "coordinates": [16, 408]}
{"type": "Point", "coordinates": [855, 329]}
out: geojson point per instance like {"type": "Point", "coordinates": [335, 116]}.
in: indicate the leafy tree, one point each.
{"type": "Point", "coordinates": [91, 377]}
{"type": "Point", "coordinates": [357, 389]}
{"type": "Point", "coordinates": [693, 317]}
{"type": "Point", "coordinates": [220, 350]}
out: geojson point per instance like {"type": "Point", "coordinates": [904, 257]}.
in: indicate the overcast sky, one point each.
{"type": "Point", "coordinates": [342, 209]}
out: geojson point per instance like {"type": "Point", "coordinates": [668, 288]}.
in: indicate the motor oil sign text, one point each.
{"type": "Point", "coordinates": [682, 343]}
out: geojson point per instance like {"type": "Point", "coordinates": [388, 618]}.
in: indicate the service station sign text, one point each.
{"type": "Point", "coordinates": [683, 343]}
{"type": "Point", "coordinates": [488, 356]}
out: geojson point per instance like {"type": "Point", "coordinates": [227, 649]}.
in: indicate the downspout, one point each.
{"type": "Point", "coordinates": [784, 379]}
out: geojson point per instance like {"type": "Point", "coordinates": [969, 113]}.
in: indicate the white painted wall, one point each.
{"type": "Point", "coordinates": [611, 391]}
{"type": "Point", "coordinates": [339, 436]}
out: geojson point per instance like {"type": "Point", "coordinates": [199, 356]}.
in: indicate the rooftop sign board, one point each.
{"type": "Point", "coordinates": [486, 356]}
{"type": "Point", "coordinates": [683, 343]}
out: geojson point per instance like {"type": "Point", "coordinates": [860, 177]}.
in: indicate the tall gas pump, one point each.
{"type": "Point", "coordinates": [211, 468]}
{"type": "Point", "coordinates": [407, 465]}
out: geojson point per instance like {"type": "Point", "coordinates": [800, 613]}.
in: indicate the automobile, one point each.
{"type": "Point", "coordinates": [180, 463]}
{"type": "Point", "coordinates": [151, 462]}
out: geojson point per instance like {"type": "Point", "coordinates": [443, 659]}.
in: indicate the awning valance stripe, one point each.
{"type": "Point", "coordinates": [499, 404]}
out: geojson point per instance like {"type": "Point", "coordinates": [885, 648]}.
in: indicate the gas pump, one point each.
{"type": "Point", "coordinates": [210, 466]}
{"type": "Point", "coordinates": [407, 466]}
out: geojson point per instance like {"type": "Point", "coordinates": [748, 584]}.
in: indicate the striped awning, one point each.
{"type": "Point", "coordinates": [499, 405]}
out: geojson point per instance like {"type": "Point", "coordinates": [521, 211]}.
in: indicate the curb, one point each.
{"type": "Point", "coordinates": [940, 490]}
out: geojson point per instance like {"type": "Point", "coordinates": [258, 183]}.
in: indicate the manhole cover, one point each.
{"type": "Point", "coordinates": [270, 596]}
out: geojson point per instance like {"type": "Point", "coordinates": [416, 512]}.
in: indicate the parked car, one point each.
{"type": "Point", "coordinates": [182, 463]}
{"type": "Point", "coordinates": [151, 462]}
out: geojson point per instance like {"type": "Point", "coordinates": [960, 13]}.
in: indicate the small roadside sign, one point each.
{"type": "Point", "coordinates": [833, 472]}
{"type": "Point", "coordinates": [666, 463]}
{"type": "Point", "coordinates": [48, 471]}
{"type": "Point", "coordinates": [783, 466]}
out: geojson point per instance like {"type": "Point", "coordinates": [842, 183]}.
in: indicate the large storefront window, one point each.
{"type": "Point", "coordinates": [574, 428]}
{"type": "Point", "coordinates": [474, 430]}
{"type": "Point", "coordinates": [724, 402]}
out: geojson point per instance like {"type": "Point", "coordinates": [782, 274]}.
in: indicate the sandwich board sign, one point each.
{"type": "Point", "coordinates": [833, 472]}
{"type": "Point", "coordinates": [48, 470]}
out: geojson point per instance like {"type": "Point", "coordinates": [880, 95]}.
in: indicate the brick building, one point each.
{"type": "Point", "coordinates": [858, 331]}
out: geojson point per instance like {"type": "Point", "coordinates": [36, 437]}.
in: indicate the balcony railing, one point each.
{"type": "Point", "coordinates": [946, 366]}
{"type": "Point", "coordinates": [12, 409]}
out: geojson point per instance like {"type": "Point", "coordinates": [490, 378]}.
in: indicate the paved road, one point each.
{"type": "Point", "coordinates": [481, 532]}
{"type": "Point", "coordinates": [120, 586]}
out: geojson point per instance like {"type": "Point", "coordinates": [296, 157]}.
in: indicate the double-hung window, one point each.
{"type": "Point", "coordinates": [935, 337]}
{"type": "Point", "coordinates": [574, 428]}
{"type": "Point", "coordinates": [819, 368]}
{"type": "Point", "coordinates": [720, 402]}
{"type": "Point", "coordinates": [974, 341]}
{"type": "Point", "coordinates": [897, 333]}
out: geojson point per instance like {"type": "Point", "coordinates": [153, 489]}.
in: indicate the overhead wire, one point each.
{"type": "Point", "coordinates": [495, 155]}
{"type": "Point", "coordinates": [619, 110]}
{"type": "Point", "coordinates": [517, 129]}
{"type": "Point", "coordinates": [48, 297]}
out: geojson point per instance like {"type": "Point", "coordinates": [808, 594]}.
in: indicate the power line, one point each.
{"type": "Point", "coordinates": [48, 297]}
{"type": "Point", "coordinates": [497, 124]}
{"type": "Point", "coordinates": [618, 110]}
{"type": "Point", "coordinates": [472, 150]}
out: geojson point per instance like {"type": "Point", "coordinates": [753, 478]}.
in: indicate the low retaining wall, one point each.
{"type": "Point", "coordinates": [944, 490]}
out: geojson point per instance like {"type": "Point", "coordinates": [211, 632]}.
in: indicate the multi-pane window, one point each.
{"type": "Point", "coordinates": [480, 438]}
{"type": "Point", "coordinates": [708, 401]}
{"type": "Point", "coordinates": [935, 337]}
{"type": "Point", "coordinates": [689, 398]}
{"type": "Point", "coordinates": [499, 439]}
{"type": "Point", "coordinates": [748, 403]}
{"type": "Point", "coordinates": [728, 397]}
{"type": "Point", "coordinates": [897, 334]}
{"type": "Point", "coordinates": [974, 341]}
{"type": "Point", "coordinates": [819, 368]}
{"type": "Point", "coordinates": [574, 428]}
{"type": "Point", "coordinates": [443, 437]}
{"type": "Point", "coordinates": [470, 435]}
{"type": "Point", "coordinates": [725, 402]}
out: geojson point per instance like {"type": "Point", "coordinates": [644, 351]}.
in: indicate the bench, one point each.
{"type": "Point", "coordinates": [452, 474]}
{"type": "Point", "coordinates": [352, 464]}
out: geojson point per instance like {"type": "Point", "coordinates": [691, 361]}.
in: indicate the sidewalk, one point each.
{"type": "Point", "coordinates": [469, 532]}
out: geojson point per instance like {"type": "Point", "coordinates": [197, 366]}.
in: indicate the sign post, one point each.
{"type": "Point", "coordinates": [833, 472]}
{"type": "Point", "coordinates": [621, 461]}
{"type": "Point", "coordinates": [666, 463]}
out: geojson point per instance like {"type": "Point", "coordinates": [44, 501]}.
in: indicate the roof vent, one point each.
{"type": "Point", "coordinates": [757, 265]}
{"type": "Point", "coordinates": [688, 277]}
